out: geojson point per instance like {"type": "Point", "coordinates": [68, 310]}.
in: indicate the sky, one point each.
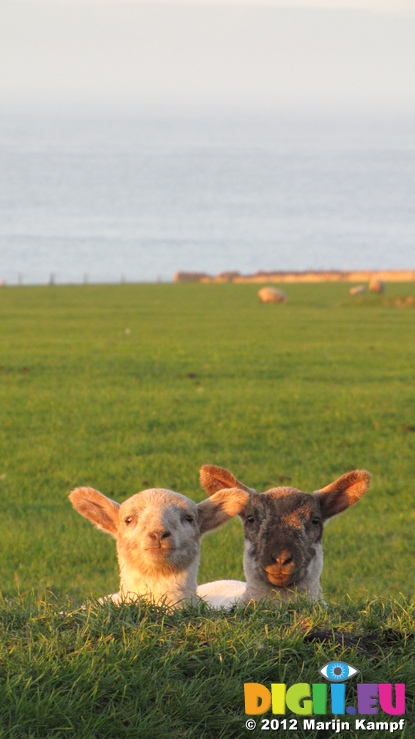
{"type": "Point", "coordinates": [126, 55]}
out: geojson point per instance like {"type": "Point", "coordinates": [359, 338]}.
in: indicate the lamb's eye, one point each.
{"type": "Point", "coordinates": [128, 520]}
{"type": "Point", "coordinates": [316, 521]}
{"type": "Point", "coordinates": [190, 519]}
{"type": "Point", "coordinates": [250, 519]}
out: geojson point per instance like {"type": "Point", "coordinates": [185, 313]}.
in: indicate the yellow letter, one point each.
{"type": "Point", "coordinates": [278, 697]}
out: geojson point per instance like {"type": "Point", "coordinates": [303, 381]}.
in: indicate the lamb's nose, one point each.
{"type": "Point", "coordinates": [284, 558]}
{"type": "Point", "coordinates": [158, 534]}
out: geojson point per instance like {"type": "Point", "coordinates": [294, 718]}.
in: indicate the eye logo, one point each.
{"type": "Point", "coordinates": [338, 672]}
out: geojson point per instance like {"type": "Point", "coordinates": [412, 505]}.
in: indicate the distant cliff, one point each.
{"type": "Point", "coordinates": [386, 275]}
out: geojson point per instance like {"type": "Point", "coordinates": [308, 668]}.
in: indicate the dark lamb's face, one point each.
{"type": "Point", "coordinates": [283, 530]}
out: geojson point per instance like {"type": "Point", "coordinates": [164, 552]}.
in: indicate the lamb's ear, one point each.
{"type": "Point", "coordinates": [342, 493]}
{"type": "Point", "coordinates": [99, 509]}
{"type": "Point", "coordinates": [214, 478]}
{"type": "Point", "coordinates": [220, 507]}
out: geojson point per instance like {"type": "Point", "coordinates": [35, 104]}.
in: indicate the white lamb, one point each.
{"type": "Point", "coordinates": [272, 295]}
{"type": "Point", "coordinates": [376, 285]}
{"type": "Point", "coordinates": [158, 535]}
{"type": "Point", "coordinates": [283, 554]}
{"type": "Point", "coordinates": [358, 290]}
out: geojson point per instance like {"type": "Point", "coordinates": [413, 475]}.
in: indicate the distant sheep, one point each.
{"type": "Point", "coordinates": [271, 295]}
{"type": "Point", "coordinates": [358, 290]}
{"type": "Point", "coordinates": [158, 535]}
{"type": "Point", "coordinates": [376, 286]}
{"type": "Point", "coordinates": [283, 531]}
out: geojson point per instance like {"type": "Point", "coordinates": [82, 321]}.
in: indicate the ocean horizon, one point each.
{"type": "Point", "coordinates": [101, 200]}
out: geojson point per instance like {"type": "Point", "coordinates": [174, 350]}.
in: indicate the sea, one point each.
{"type": "Point", "coordinates": [103, 199]}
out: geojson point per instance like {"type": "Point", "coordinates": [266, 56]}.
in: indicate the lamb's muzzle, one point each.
{"type": "Point", "coordinates": [281, 571]}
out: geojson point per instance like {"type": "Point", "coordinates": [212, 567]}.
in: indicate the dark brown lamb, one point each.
{"type": "Point", "coordinates": [283, 527]}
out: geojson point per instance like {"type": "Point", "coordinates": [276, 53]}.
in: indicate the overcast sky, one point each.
{"type": "Point", "coordinates": [313, 55]}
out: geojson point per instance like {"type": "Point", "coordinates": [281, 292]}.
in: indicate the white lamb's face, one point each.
{"type": "Point", "coordinates": [158, 529]}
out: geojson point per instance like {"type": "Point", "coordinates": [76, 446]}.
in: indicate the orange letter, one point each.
{"type": "Point", "coordinates": [257, 698]}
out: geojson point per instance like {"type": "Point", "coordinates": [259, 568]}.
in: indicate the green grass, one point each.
{"type": "Point", "coordinates": [293, 394]}
{"type": "Point", "coordinates": [138, 671]}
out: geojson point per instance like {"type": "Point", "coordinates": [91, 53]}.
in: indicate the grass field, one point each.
{"type": "Point", "coordinates": [134, 386]}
